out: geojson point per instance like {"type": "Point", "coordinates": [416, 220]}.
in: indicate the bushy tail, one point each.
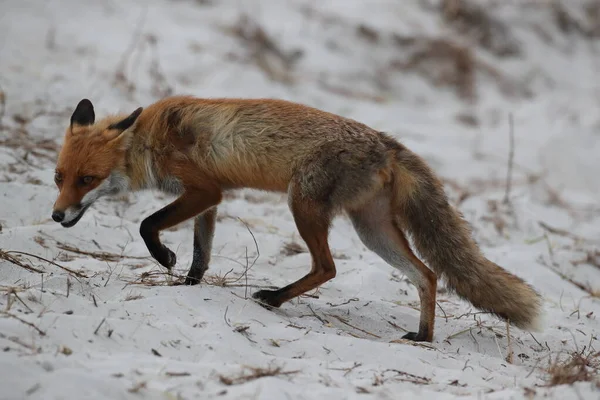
{"type": "Point", "coordinates": [444, 240]}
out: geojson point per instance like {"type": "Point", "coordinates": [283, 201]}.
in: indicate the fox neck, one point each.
{"type": "Point", "coordinates": [141, 169]}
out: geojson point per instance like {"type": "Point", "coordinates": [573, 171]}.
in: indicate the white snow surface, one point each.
{"type": "Point", "coordinates": [108, 335]}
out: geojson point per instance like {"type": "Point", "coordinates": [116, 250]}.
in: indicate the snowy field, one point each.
{"type": "Point", "coordinates": [85, 313]}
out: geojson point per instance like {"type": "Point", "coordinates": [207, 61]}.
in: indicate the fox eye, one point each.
{"type": "Point", "coordinates": [86, 180]}
{"type": "Point", "coordinates": [58, 177]}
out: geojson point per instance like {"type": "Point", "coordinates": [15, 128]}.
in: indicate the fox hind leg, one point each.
{"type": "Point", "coordinates": [204, 230]}
{"type": "Point", "coordinates": [313, 219]}
{"type": "Point", "coordinates": [374, 224]}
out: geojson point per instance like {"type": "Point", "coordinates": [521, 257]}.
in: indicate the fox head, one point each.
{"type": "Point", "coordinates": [91, 162]}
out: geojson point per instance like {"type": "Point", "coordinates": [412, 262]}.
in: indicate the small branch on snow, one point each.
{"type": "Point", "coordinates": [10, 315]}
{"type": "Point", "coordinates": [511, 157]}
{"type": "Point", "coordinates": [347, 370]}
{"type": "Point", "coordinates": [509, 356]}
{"type": "Point", "coordinates": [98, 255]}
{"type": "Point", "coordinates": [225, 317]}
{"type": "Point", "coordinates": [99, 325]}
{"type": "Point", "coordinates": [16, 261]}
{"type": "Point", "coordinates": [255, 373]}
{"type": "Point", "coordinates": [343, 321]}
{"type": "Point", "coordinates": [248, 267]}
{"type": "Point", "coordinates": [13, 291]}
{"type": "Point", "coordinates": [2, 105]}
{"type": "Point", "coordinates": [553, 266]}
{"type": "Point", "coordinates": [563, 232]}
{"type": "Point", "coordinates": [4, 254]}
{"type": "Point", "coordinates": [403, 377]}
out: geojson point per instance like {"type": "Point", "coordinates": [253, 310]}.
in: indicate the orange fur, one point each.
{"type": "Point", "coordinates": [199, 148]}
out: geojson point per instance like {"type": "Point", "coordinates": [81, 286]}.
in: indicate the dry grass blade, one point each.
{"type": "Point", "coordinates": [351, 93]}
{"type": "Point", "coordinates": [98, 255]}
{"type": "Point", "coordinates": [10, 315]}
{"type": "Point", "coordinates": [2, 105]}
{"type": "Point", "coordinates": [177, 374]}
{"type": "Point", "coordinates": [12, 292]}
{"type": "Point", "coordinates": [592, 257]}
{"type": "Point", "coordinates": [69, 270]}
{"type": "Point", "coordinates": [563, 232]}
{"type": "Point", "coordinates": [16, 261]}
{"type": "Point", "coordinates": [254, 373]}
{"type": "Point", "coordinates": [293, 248]}
{"type": "Point", "coordinates": [511, 157]}
{"type": "Point", "coordinates": [577, 368]}
{"type": "Point", "coordinates": [221, 280]}
{"type": "Point", "coordinates": [589, 290]}
{"type": "Point", "coordinates": [343, 321]}
{"type": "Point", "coordinates": [409, 342]}
{"type": "Point", "coordinates": [224, 280]}
{"type": "Point", "coordinates": [406, 377]}
{"type": "Point", "coordinates": [157, 278]}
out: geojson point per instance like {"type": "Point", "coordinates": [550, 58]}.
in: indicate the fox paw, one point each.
{"type": "Point", "coordinates": [196, 273]}
{"type": "Point", "coordinates": [166, 258]}
{"type": "Point", "coordinates": [193, 279]}
{"type": "Point", "coordinates": [268, 298]}
{"type": "Point", "coordinates": [415, 337]}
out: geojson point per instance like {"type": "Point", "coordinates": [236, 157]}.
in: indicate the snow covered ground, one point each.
{"type": "Point", "coordinates": [102, 322]}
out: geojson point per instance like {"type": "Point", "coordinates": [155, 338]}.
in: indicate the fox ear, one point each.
{"type": "Point", "coordinates": [83, 114]}
{"type": "Point", "coordinates": [127, 122]}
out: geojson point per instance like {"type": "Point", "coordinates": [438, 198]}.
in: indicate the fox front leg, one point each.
{"type": "Point", "coordinates": [158, 251]}
{"type": "Point", "coordinates": [194, 201]}
{"type": "Point", "coordinates": [204, 230]}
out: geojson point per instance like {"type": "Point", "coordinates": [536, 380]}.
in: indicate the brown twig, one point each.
{"type": "Point", "coordinates": [563, 232]}
{"type": "Point", "coordinates": [510, 355]}
{"type": "Point", "coordinates": [248, 267]}
{"type": "Point", "coordinates": [314, 314]}
{"type": "Point", "coordinates": [343, 321]}
{"type": "Point", "coordinates": [2, 105]}
{"type": "Point", "coordinates": [69, 270]}
{"type": "Point", "coordinates": [255, 373]}
{"type": "Point", "coordinates": [348, 92]}
{"type": "Point", "coordinates": [98, 255]}
{"type": "Point", "coordinates": [13, 291]}
{"type": "Point", "coordinates": [349, 369]}
{"type": "Point", "coordinates": [577, 368]}
{"type": "Point", "coordinates": [511, 156]}
{"type": "Point", "coordinates": [406, 377]}
{"type": "Point", "coordinates": [581, 286]}
{"type": "Point", "coordinates": [592, 257]}
{"type": "Point", "coordinates": [41, 332]}
{"type": "Point", "coordinates": [552, 268]}
{"type": "Point", "coordinates": [14, 260]}
{"type": "Point", "coordinates": [99, 325]}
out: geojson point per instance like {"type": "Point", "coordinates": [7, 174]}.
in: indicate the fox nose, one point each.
{"type": "Point", "coordinates": [58, 216]}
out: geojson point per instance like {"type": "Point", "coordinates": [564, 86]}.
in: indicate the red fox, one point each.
{"type": "Point", "coordinates": [199, 148]}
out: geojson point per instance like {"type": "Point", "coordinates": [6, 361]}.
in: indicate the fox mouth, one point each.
{"type": "Point", "coordinates": [76, 219]}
